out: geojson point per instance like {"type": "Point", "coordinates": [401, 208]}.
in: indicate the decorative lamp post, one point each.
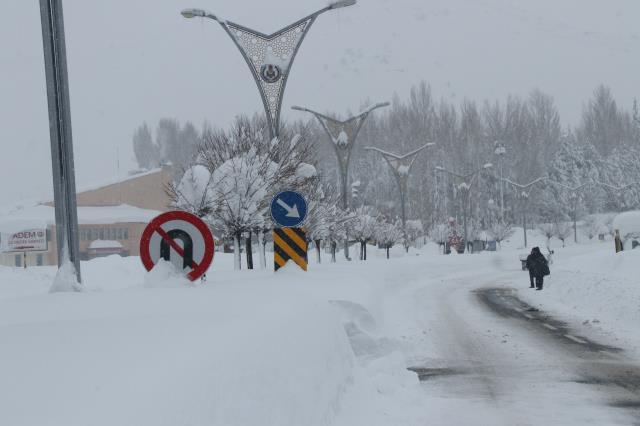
{"type": "Point", "coordinates": [401, 167]}
{"type": "Point", "coordinates": [500, 151]}
{"type": "Point", "coordinates": [465, 185]}
{"type": "Point", "coordinates": [269, 57]}
{"type": "Point", "coordinates": [343, 136]}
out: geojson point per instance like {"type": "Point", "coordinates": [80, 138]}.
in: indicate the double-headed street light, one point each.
{"type": "Point", "coordinates": [269, 56]}
{"type": "Point", "coordinates": [342, 136]}
{"type": "Point", "coordinates": [401, 167]}
{"type": "Point", "coordinates": [523, 193]}
{"type": "Point", "coordinates": [465, 185]}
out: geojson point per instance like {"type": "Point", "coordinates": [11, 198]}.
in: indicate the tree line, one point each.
{"type": "Point", "coordinates": [601, 151]}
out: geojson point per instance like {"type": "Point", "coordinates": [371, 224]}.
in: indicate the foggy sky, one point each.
{"type": "Point", "coordinates": [138, 60]}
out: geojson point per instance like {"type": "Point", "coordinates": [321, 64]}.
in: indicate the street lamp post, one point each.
{"type": "Point", "coordinates": [269, 57]}
{"type": "Point", "coordinates": [343, 136]}
{"type": "Point", "coordinates": [465, 185]}
{"type": "Point", "coordinates": [64, 184]}
{"type": "Point", "coordinates": [523, 194]}
{"type": "Point", "coordinates": [401, 167]}
{"type": "Point", "coordinates": [500, 151]}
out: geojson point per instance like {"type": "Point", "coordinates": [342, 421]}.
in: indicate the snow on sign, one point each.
{"type": "Point", "coordinates": [180, 238]}
{"type": "Point", "coordinates": [288, 209]}
{"type": "Point", "coordinates": [26, 240]}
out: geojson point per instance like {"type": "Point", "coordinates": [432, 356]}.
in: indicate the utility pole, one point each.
{"type": "Point", "coordinates": [64, 185]}
{"type": "Point", "coordinates": [343, 136]}
{"type": "Point", "coordinates": [401, 167]}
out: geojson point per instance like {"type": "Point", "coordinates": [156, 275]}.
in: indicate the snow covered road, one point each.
{"type": "Point", "coordinates": [492, 359]}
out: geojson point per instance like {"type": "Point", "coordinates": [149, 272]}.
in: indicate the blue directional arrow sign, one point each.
{"type": "Point", "coordinates": [288, 209]}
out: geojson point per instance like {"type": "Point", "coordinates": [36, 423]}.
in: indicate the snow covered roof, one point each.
{"type": "Point", "coordinates": [115, 180]}
{"type": "Point", "coordinates": [103, 244]}
{"type": "Point", "coordinates": [40, 216]}
{"type": "Point", "coordinates": [628, 224]}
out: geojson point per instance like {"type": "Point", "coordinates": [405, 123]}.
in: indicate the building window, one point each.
{"type": "Point", "coordinates": [94, 234]}
{"type": "Point", "coordinates": [39, 259]}
{"type": "Point", "coordinates": [126, 234]}
{"type": "Point", "coordinates": [120, 233]}
{"type": "Point", "coordinates": [18, 260]}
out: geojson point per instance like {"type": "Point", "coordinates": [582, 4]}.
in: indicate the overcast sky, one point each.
{"type": "Point", "coordinates": [138, 60]}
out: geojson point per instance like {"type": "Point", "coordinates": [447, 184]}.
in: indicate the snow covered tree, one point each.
{"type": "Point", "coordinates": [439, 234]}
{"type": "Point", "coordinates": [192, 193]}
{"type": "Point", "coordinates": [562, 230]}
{"type": "Point", "coordinates": [500, 231]}
{"type": "Point", "coordinates": [363, 228]}
{"type": "Point", "coordinates": [592, 226]}
{"type": "Point", "coordinates": [322, 215]}
{"type": "Point", "coordinates": [548, 230]}
{"type": "Point", "coordinates": [388, 234]}
{"type": "Point", "coordinates": [147, 153]}
{"type": "Point", "coordinates": [246, 169]}
{"type": "Point", "coordinates": [414, 231]}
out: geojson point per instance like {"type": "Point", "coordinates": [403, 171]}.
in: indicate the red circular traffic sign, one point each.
{"type": "Point", "coordinates": [162, 237]}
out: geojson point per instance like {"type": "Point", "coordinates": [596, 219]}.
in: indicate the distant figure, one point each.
{"type": "Point", "coordinates": [531, 276]}
{"type": "Point", "coordinates": [538, 267]}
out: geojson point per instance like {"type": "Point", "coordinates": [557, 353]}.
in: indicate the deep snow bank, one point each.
{"type": "Point", "coordinates": [258, 352]}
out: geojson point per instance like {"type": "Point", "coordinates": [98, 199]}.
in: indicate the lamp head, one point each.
{"type": "Point", "coordinates": [487, 166]}
{"type": "Point", "coordinates": [341, 3]}
{"type": "Point", "coordinates": [193, 13]}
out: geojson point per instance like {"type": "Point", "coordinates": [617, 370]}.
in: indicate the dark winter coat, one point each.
{"type": "Point", "coordinates": [537, 264]}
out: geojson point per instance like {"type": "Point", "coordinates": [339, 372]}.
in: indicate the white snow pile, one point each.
{"type": "Point", "coordinates": [165, 275]}
{"type": "Point", "coordinates": [403, 170]}
{"type": "Point", "coordinates": [66, 280]}
{"type": "Point", "coordinates": [151, 350]}
{"type": "Point", "coordinates": [628, 223]}
{"type": "Point", "coordinates": [305, 171]}
{"type": "Point", "coordinates": [342, 140]}
{"type": "Point", "coordinates": [100, 244]}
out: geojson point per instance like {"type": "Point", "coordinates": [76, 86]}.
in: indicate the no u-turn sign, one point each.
{"type": "Point", "coordinates": [180, 238]}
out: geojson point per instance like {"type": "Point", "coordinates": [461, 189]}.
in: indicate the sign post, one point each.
{"type": "Point", "coordinates": [289, 211]}
{"type": "Point", "coordinates": [64, 183]}
{"type": "Point", "coordinates": [180, 238]}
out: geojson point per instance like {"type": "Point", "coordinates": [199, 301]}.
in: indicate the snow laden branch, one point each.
{"type": "Point", "coordinates": [235, 175]}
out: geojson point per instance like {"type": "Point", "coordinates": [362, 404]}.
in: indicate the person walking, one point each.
{"type": "Point", "coordinates": [531, 275]}
{"type": "Point", "coordinates": [538, 267]}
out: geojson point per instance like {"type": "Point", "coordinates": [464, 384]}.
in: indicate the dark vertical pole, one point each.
{"type": "Point", "coordinates": [64, 185]}
{"type": "Point", "coordinates": [344, 176]}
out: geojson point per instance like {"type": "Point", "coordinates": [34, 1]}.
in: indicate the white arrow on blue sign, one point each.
{"type": "Point", "coordinates": [288, 209]}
